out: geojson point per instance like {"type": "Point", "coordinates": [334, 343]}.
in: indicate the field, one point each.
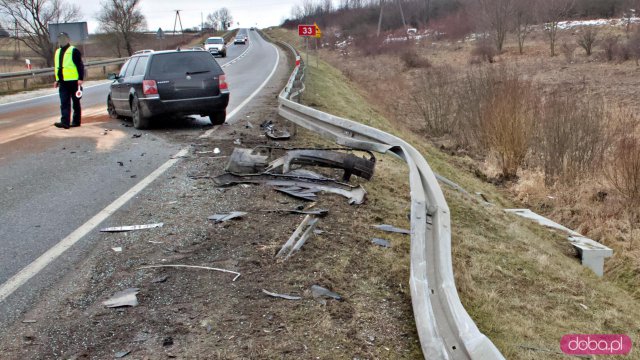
{"type": "Point", "coordinates": [523, 285]}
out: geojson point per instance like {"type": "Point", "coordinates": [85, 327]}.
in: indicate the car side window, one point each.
{"type": "Point", "coordinates": [123, 70]}
{"type": "Point", "coordinates": [131, 67]}
{"type": "Point", "coordinates": [141, 66]}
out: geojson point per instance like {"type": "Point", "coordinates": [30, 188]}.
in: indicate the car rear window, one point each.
{"type": "Point", "coordinates": [171, 65]}
{"type": "Point", "coordinates": [215, 41]}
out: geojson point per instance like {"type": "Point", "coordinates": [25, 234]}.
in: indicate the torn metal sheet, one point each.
{"type": "Point", "coordinates": [321, 292]}
{"type": "Point", "coordinates": [356, 195]}
{"type": "Point", "coordinates": [307, 174]}
{"type": "Point", "coordinates": [226, 217]}
{"type": "Point", "coordinates": [303, 232]}
{"type": "Point", "coordinates": [351, 164]}
{"type": "Point", "coordinates": [391, 228]}
{"type": "Point", "coordinates": [276, 134]}
{"type": "Point", "coordinates": [121, 354]}
{"type": "Point", "coordinates": [132, 227]}
{"type": "Point", "coordinates": [298, 192]}
{"type": "Point", "coordinates": [160, 279]}
{"type": "Point", "coordinates": [316, 212]}
{"type": "Point", "coordinates": [381, 242]}
{"type": "Point", "coordinates": [247, 161]}
{"type": "Point", "coordinates": [123, 298]}
{"type": "Point", "coordinates": [231, 179]}
{"type": "Point", "coordinates": [281, 296]}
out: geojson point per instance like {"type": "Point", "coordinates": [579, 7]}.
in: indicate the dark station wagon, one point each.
{"type": "Point", "coordinates": [169, 83]}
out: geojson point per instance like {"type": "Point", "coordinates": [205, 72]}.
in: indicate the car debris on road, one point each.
{"type": "Point", "coordinates": [131, 227]}
{"type": "Point", "coordinates": [393, 229]}
{"type": "Point", "coordinates": [320, 292]}
{"type": "Point", "coordinates": [218, 218]}
{"type": "Point", "coordinates": [302, 233]}
{"type": "Point", "coordinates": [124, 298]}
{"type": "Point", "coordinates": [282, 296]}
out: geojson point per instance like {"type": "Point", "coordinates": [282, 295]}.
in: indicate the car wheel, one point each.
{"type": "Point", "coordinates": [218, 117]}
{"type": "Point", "coordinates": [224, 54]}
{"type": "Point", "coordinates": [111, 109]}
{"type": "Point", "coordinates": [139, 121]}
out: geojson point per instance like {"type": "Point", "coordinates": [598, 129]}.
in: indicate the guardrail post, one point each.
{"type": "Point", "coordinates": [104, 70]}
{"type": "Point", "coordinates": [25, 84]}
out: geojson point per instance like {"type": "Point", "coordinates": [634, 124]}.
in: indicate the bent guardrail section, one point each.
{"type": "Point", "coordinates": [445, 329]}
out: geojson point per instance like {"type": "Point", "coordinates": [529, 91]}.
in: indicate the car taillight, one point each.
{"type": "Point", "coordinates": [149, 87]}
{"type": "Point", "coordinates": [222, 83]}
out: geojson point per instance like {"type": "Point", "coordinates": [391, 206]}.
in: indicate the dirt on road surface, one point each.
{"type": "Point", "coordinates": [191, 313]}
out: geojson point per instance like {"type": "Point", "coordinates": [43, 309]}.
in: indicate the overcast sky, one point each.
{"type": "Point", "coordinates": [161, 13]}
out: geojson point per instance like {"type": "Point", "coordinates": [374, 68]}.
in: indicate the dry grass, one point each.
{"type": "Point", "coordinates": [522, 284]}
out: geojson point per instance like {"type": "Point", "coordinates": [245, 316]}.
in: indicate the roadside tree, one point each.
{"type": "Point", "coordinates": [124, 20]}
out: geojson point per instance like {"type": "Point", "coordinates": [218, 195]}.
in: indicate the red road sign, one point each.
{"type": "Point", "coordinates": [307, 30]}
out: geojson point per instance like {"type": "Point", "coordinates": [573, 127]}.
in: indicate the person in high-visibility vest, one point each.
{"type": "Point", "coordinates": [69, 72]}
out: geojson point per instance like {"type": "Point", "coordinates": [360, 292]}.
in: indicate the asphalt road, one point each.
{"type": "Point", "coordinates": [52, 180]}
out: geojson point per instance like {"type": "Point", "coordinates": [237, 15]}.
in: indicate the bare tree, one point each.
{"type": "Point", "coordinates": [32, 18]}
{"type": "Point", "coordinates": [587, 39]}
{"type": "Point", "coordinates": [222, 17]}
{"type": "Point", "coordinates": [523, 20]}
{"type": "Point", "coordinates": [496, 15]}
{"type": "Point", "coordinates": [122, 18]}
{"type": "Point", "coordinates": [552, 12]}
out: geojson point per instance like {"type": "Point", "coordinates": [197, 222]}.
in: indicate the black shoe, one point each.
{"type": "Point", "coordinates": [61, 125]}
{"type": "Point", "coordinates": [75, 125]}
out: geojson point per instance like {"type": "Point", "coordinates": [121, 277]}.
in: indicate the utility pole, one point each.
{"type": "Point", "coordinates": [175, 21]}
{"type": "Point", "coordinates": [404, 23]}
{"type": "Point", "coordinates": [380, 18]}
{"type": "Point", "coordinates": [201, 23]}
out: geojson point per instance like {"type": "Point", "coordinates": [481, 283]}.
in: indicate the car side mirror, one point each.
{"type": "Point", "coordinates": [112, 76]}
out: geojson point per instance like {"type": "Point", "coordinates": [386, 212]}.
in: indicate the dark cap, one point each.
{"type": "Point", "coordinates": [63, 34]}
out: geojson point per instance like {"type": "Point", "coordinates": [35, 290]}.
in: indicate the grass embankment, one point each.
{"type": "Point", "coordinates": [523, 285]}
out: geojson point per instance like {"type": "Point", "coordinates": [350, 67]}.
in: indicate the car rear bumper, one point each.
{"type": "Point", "coordinates": [198, 106]}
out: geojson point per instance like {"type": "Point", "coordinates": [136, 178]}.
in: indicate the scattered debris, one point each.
{"type": "Point", "coordinates": [216, 151]}
{"type": "Point", "coordinates": [117, 249]}
{"type": "Point", "coordinates": [381, 242]}
{"type": "Point", "coordinates": [484, 198]}
{"type": "Point", "coordinates": [237, 142]}
{"type": "Point", "coordinates": [584, 306]}
{"type": "Point", "coordinates": [316, 212]}
{"type": "Point", "coordinates": [355, 194]}
{"type": "Point", "coordinates": [319, 232]}
{"type": "Point", "coordinates": [135, 136]}
{"type": "Point", "coordinates": [308, 194]}
{"type": "Point", "coordinates": [303, 231]}
{"type": "Point", "coordinates": [132, 227]}
{"type": "Point", "coordinates": [160, 279]}
{"type": "Point", "coordinates": [218, 218]}
{"type": "Point", "coordinates": [120, 163]}
{"type": "Point", "coordinates": [276, 134]}
{"type": "Point", "coordinates": [391, 228]}
{"type": "Point", "coordinates": [193, 267]}
{"type": "Point", "coordinates": [351, 164]}
{"type": "Point", "coordinates": [247, 161]}
{"type": "Point", "coordinates": [123, 298]}
{"type": "Point", "coordinates": [168, 341]}
{"type": "Point", "coordinates": [249, 125]}
{"type": "Point", "coordinates": [134, 176]}
{"type": "Point", "coordinates": [320, 292]}
{"type": "Point", "coordinates": [282, 296]}
{"type": "Point", "coordinates": [121, 354]}
{"type": "Point", "coordinates": [29, 321]}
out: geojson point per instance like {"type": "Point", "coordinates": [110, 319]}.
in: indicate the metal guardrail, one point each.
{"type": "Point", "coordinates": [30, 74]}
{"type": "Point", "coordinates": [445, 328]}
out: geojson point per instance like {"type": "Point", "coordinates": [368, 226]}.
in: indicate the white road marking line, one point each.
{"type": "Point", "coordinates": [53, 94]}
{"type": "Point", "coordinates": [53, 253]}
{"type": "Point", "coordinates": [247, 100]}
{"type": "Point", "coordinates": [238, 57]}
{"type": "Point", "coordinates": [28, 272]}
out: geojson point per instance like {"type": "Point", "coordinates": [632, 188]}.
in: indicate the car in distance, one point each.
{"type": "Point", "coordinates": [216, 46]}
{"type": "Point", "coordinates": [240, 39]}
{"type": "Point", "coordinates": [169, 83]}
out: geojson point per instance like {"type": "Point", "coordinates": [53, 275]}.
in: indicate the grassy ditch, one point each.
{"type": "Point", "coordinates": [523, 285]}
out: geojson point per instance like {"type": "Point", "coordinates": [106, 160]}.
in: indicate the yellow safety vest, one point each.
{"type": "Point", "coordinates": [69, 69]}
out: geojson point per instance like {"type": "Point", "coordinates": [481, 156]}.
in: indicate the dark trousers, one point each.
{"type": "Point", "coordinates": [67, 91]}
